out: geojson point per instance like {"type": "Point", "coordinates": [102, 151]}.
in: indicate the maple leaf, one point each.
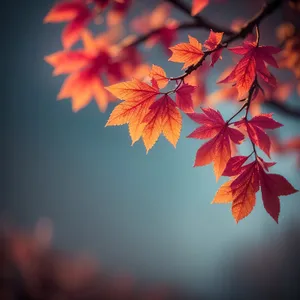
{"type": "Point", "coordinates": [255, 129]}
{"type": "Point", "coordinates": [146, 117]}
{"type": "Point", "coordinates": [213, 41]}
{"type": "Point", "coordinates": [66, 61]}
{"type": "Point", "coordinates": [187, 53]}
{"type": "Point", "coordinates": [198, 6]}
{"type": "Point", "coordinates": [138, 96]}
{"type": "Point", "coordinates": [218, 149]}
{"type": "Point", "coordinates": [165, 118]}
{"type": "Point", "coordinates": [246, 181]}
{"type": "Point", "coordinates": [82, 86]}
{"type": "Point", "coordinates": [117, 12]}
{"type": "Point", "coordinates": [76, 13]}
{"type": "Point", "coordinates": [184, 97]}
{"type": "Point", "coordinates": [273, 186]}
{"type": "Point", "coordinates": [241, 189]}
{"type": "Point", "coordinates": [159, 75]}
{"type": "Point", "coordinates": [252, 63]}
{"type": "Point", "coordinates": [234, 165]}
{"type": "Point", "coordinates": [132, 90]}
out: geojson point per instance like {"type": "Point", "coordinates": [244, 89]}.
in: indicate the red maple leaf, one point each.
{"type": "Point", "coordinates": [246, 181]}
{"type": "Point", "coordinates": [255, 129]}
{"type": "Point", "coordinates": [213, 41]}
{"type": "Point", "coordinates": [218, 149]}
{"type": "Point", "coordinates": [184, 97]}
{"type": "Point", "coordinates": [253, 62]}
{"type": "Point", "coordinates": [77, 13]}
{"type": "Point", "coordinates": [198, 6]}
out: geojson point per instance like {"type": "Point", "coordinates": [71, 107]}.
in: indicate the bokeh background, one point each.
{"type": "Point", "coordinates": [147, 215]}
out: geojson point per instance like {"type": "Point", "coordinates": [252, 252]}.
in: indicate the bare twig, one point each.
{"type": "Point", "coordinates": [283, 107]}
{"type": "Point", "coordinates": [202, 22]}
{"type": "Point", "coordinates": [143, 38]}
{"type": "Point", "coordinates": [265, 11]}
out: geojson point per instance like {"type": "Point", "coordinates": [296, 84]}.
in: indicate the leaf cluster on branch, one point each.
{"type": "Point", "coordinates": [111, 66]}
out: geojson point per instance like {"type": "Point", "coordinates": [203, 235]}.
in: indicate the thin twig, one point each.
{"type": "Point", "coordinates": [202, 22]}
{"type": "Point", "coordinates": [143, 38]}
{"type": "Point", "coordinates": [283, 107]}
{"type": "Point", "coordinates": [265, 11]}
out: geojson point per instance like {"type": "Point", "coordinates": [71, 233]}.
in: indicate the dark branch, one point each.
{"type": "Point", "coordinates": [143, 38]}
{"type": "Point", "coordinates": [202, 22]}
{"type": "Point", "coordinates": [265, 11]}
{"type": "Point", "coordinates": [283, 107]}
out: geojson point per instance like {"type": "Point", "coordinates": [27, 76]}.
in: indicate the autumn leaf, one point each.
{"type": "Point", "coordinates": [138, 96]}
{"type": "Point", "coordinates": [273, 186]}
{"type": "Point", "coordinates": [132, 90]}
{"type": "Point", "coordinates": [184, 97]}
{"type": "Point", "coordinates": [198, 6]}
{"type": "Point", "coordinates": [213, 41]}
{"type": "Point", "coordinates": [224, 193]}
{"type": "Point", "coordinates": [82, 86]}
{"type": "Point", "coordinates": [76, 13]}
{"type": "Point", "coordinates": [234, 165]}
{"type": "Point", "coordinates": [255, 129]}
{"type": "Point", "coordinates": [65, 62]}
{"type": "Point", "coordinates": [218, 149]}
{"type": "Point", "coordinates": [159, 75]}
{"type": "Point", "coordinates": [165, 118]}
{"type": "Point", "coordinates": [246, 181]}
{"type": "Point", "coordinates": [253, 62]}
{"type": "Point", "coordinates": [117, 12]}
{"type": "Point", "coordinates": [187, 53]}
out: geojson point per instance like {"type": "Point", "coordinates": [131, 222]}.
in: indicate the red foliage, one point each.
{"type": "Point", "coordinates": [110, 58]}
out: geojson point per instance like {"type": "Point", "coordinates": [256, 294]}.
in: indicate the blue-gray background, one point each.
{"type": "Point", "coordinates": [149, 215]}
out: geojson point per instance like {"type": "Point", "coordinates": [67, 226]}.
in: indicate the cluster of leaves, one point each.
{"type": "Point", "coordinates": [98, 69]}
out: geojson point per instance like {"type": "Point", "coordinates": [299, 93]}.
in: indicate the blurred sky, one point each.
{"type": "Point", "coordinates": [149, 215]}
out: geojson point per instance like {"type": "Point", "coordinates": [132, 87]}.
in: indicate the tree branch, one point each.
{"type": "Point", "coordinates": [265, 11]}
{"type": "Point", "coordinates": [284, 108]}
{"type": "Point", "coordinates": [143, 38]}
{"type": "Point", "coordinates": [202, 22]}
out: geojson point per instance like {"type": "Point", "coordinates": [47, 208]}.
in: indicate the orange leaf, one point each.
{"type": "Point", "coordinates": [224, 194]}
{"type": "Point", "coordinates": [133, 113]}
{"type": "Point", "coordinates": [243, 203]}
{"type": "Point", "coordinates": [81, 87]}
{"type": "Point", "coordinates": [138, 96]}
{"type": "Point", "coordinates": [76, 13]}
{"type": "Point", "coordinates": [214, 39]}
{"type": "Point", "coordinates": [187, 53]}
{"type": "Point", "coordinates": [198, 6]}
{"type": "Point", "coordinates": [132, 90]}
{"type": "Point", "coordinates": [67, 61]}
{"type": "Point", "coordinates": [64, 12]}
{"type": "Point", "coordinates": [165, 118]}
{"type": "Point", "coordinates": [159, 75]}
